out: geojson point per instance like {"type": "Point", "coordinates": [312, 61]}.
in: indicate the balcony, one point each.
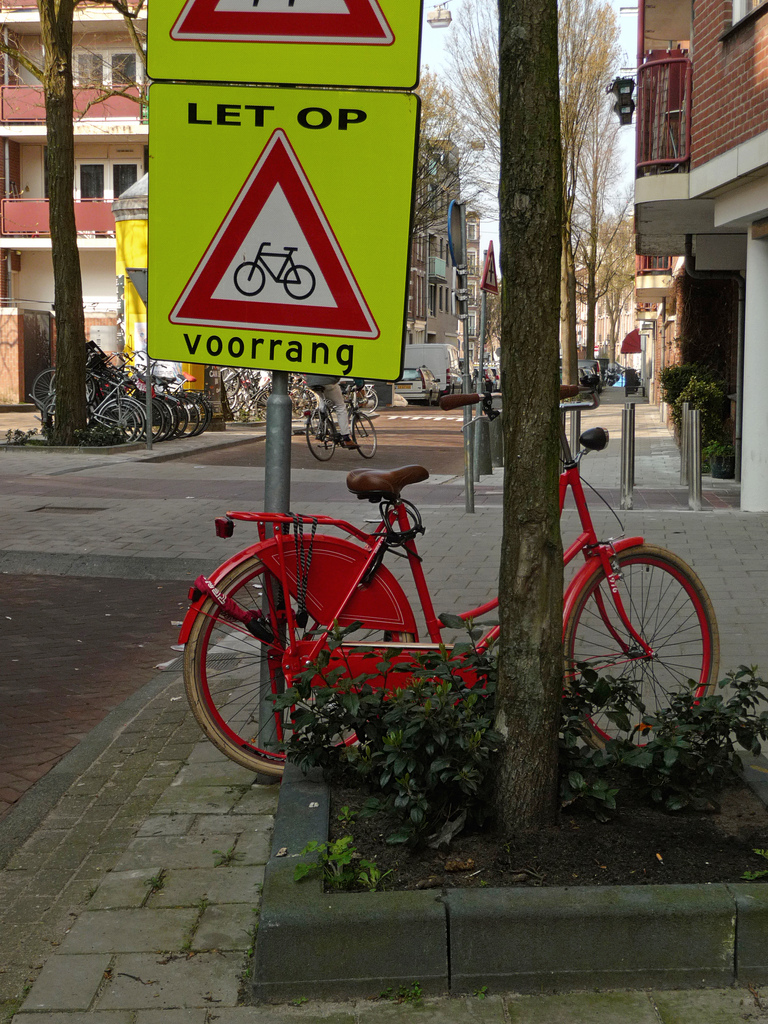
{"type": "Point", "coordinates": [29, 217]}
{"type": "Point", "coordinates": [653, 277]}
{"type": "Point", "coordinates": [437, 270]}
{"type": "Point", "coordinates": [664, 113]}
{"type": "Point", "coordinates": [26, 104]}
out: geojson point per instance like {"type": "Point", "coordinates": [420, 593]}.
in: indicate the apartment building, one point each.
{"type": "Point", "coordinates": [431, 305]}
{"type": "Point", "coordinates": [111, 135]}
{"type": "Point", "coordinates": [701, 192]}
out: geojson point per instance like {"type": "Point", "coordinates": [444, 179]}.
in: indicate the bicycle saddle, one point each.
{"type": "Point", "coordinates": [375, 484]}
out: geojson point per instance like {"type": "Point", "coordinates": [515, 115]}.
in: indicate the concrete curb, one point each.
{"type": "Point", "coordinates": [516, 940]}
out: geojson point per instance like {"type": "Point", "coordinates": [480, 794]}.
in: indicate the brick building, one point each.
{"type": "Point", "coordinates": [110, 155]}
{"type": "Point", "coordinates": [702, 191]}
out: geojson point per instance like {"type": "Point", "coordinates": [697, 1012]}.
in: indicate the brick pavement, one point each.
{"type": "Point", "coordinates": [73, 649]}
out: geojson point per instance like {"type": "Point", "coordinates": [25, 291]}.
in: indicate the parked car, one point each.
{"type": "Point", "coordinates": [442, 360]}
{"type": "Point", "coordinates": [590, 375]}
{"type": "Point", "coordinates": [418, 384]}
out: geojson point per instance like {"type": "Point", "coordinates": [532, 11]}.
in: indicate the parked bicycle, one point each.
{"type": "Point", "coordinates": [631, 610]}
{"type": "Point", "coordinates": [322, 432]}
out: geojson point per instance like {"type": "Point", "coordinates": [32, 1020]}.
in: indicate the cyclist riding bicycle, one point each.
{"type": "Point", "coordinates": [328, 388]}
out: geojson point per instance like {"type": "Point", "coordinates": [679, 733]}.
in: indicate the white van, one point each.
{"type": "Point", "coordinates": [442, 360]}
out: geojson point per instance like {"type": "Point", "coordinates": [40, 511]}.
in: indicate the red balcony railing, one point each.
{"type": "Point", "coordinates": [664, 112]}
{"type": "Point", "coordinates": [30, 217]}
{"type": "Point", "coordinates": [25, 103]}
{"type": "Point", "coordinates": [653, 264]}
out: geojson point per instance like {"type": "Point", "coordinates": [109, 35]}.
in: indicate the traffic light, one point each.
{"type": "Point", "coordinates": [622, 89]}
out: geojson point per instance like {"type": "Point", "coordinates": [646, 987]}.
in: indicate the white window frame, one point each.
{"type": "Point", "coordinates": [105, 54]}
{"type": "Point", "coordinates": [108, 164]}
{"type": "Point", "coordinates": [741, 8]}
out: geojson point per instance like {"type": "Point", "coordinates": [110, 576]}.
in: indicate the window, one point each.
{"type": "Point", "coordinates": [123, 176]}
{"type": "Point", "coordinates": [440, 298]}
{"type": "Point", "coordinates": [432, 300]}
{"type": "Point", "coordinates": [471, 329]}
{"type": "Point", "coordinates": [472, 230]}
{"type": "Point", "coordinates": [123, 66]}
{"type": "Point", "coordinates": [91, 181]}
{"type": "Point", "coordinates": [741, 8]}
{"type": "Point", "coordinates": [100, 69]}
{"type": "Point", "coordinates": [472, 264]}
{"type": "Point", "coordinates": [89, 70]}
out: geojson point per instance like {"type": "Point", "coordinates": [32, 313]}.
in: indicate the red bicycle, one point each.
{"type": "Point", "coordinates": [631, 610]}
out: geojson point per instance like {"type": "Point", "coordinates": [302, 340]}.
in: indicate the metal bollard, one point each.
{"type": "Point", "coordinates": [575, 433]}
{"type": "Point", "coordinates": [482, 440]}
{"type": "Point", "coordinates": [694, 460]}
{"type": "Point", "coordinates": [627, 455]}
{"type": "Point", "coordinates": [497, 442]}
{"type": "Point", "coordinates": [684, 428]}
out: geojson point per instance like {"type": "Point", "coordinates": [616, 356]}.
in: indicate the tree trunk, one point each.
{"type": "Point", "coordinates": [56, 18]}
{"type": "Point", "coordinates": [531, 571]}
{"type": "Point", "coordinates": [568, 341]}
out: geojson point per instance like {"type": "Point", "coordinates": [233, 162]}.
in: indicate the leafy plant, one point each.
{"type": "Point", "coordinates": [156, 882]}
{"type": "Point", "coordinates": [404, 993]}
{"type": "Point", "coordinates": [750, 876]}
{"type": "Point", "coordinates": [708, 396]}
{"type": "Point", "coordinates": [718, 449]}
{"type": "Point", "coordinates": [225, 858]}
{"type": "Point", "coordinates": [341, 865]}
{"type": "Point", "coordinates": [424, 749]}
{"type": "Point", "coordinates": [99, 436]}
{"type": "Point", "coordinates": [674, 379]}
{"type": "Point", "coordinates": [19, 437]}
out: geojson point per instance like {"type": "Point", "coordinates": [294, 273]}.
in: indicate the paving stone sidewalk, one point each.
{"type": "Point", "coordinates": [134, 899]}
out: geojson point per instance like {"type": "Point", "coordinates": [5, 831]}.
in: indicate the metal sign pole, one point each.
{"type": "Point", "coordinates": [277, 498]}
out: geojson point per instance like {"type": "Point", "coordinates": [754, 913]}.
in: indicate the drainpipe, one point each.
{"type": "Point", "coordinates": [7, 172]}
{"type": "Point", "coordinates": [726, 275]}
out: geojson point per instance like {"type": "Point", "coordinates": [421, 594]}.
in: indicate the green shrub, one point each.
{"type": "Point", "coordinates": [99, 436]}
{"type": "Point", "coordinates": [425, 751]}
{"type": "Point", "coordinates": [674, 379]}
{"type": "Point", "coordinates": [708, 397]}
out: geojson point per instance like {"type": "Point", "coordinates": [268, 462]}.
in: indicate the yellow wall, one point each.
{"type": "Point", "coordinates": [131, 239]}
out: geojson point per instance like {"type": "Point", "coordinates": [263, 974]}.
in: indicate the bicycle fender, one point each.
{"type": "Point", "coordinates": [335, 562]}
{"type": "Point", "coordinates": [215, 576]}
{"type": "Point", "coordinates": [590, 567]}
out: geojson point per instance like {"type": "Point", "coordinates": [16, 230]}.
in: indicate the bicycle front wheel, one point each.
{"type": "Point", "coordinates": [319, 433]}
{"type": "Point", "coordinates": [230, 675]}
{"type": "Point", "coordinates": [364, 434]}
{"type": "Point", "coordinates": [124, 413]}
{"type": "Point", "coordinates": [669, 608]}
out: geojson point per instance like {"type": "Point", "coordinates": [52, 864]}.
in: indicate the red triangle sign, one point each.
{"type": "Point", "coordinates": [490, 282]}
{"type": "Point", "coordinates": [284, 21]}
{"type": "Point", "coordinates": [275, 262]}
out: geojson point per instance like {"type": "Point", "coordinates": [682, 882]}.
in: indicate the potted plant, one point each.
{"type": "Point", "coordinates": [721, 456]}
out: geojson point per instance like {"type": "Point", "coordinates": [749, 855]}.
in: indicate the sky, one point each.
{"type": "Point", "coordinates": [433, 54]}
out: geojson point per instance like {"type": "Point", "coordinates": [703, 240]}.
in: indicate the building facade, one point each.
{"type": "Point", "coordinates": [111, 136]}
{"type": "Point", "coordinates": [701, 193]}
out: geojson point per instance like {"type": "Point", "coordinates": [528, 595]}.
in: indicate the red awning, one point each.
{"type": "Point", "coordinates": [632, 342]}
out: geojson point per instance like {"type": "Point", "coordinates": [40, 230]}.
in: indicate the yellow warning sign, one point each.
{"type": "Point", "coordinates": [288, 250]}
{"type": "Point", "coordinates": [373, 43]}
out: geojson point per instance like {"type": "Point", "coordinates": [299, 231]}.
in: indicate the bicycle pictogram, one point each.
{"type": "Point", "coordinates": [251, 275]}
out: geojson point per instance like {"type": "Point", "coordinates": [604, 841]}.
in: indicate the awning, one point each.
{"type": "Point", "coordinates": [632, 342]}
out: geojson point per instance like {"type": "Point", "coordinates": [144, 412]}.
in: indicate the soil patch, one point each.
{"type": "Point", "coordinates": [641, 845]}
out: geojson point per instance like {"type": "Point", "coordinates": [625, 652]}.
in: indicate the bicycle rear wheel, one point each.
{"type": "Point", "coordinates": [320, 436]}
{"type": "Point", "coordinates": [230, 675]}
{"type": "Point", "coordinates": [364, 434]}
{"type": "Point", "coordinates": [669, 608]}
